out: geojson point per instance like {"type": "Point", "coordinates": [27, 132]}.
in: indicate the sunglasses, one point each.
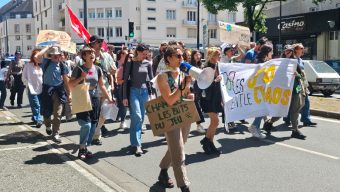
{"type": "Point", "coordinates": [179, 56]}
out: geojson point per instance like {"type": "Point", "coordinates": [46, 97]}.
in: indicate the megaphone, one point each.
{"type": "Point", "coordinates": [204, 77]}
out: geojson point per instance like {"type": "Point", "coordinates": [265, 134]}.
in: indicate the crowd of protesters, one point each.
{"type": "Point", "coordinates": [125, 79]}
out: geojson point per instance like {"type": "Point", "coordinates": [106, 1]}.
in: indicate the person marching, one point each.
{"type": "Point", "coordinates": [211, 102]}
{"type": "Point", "coordinates": [15, 69]}
{"type": "Point", "coordinates": [139, 70]}
{"type": "Point", "coordinates": [55, 86]}
{"type": "Point", "coordinates": [168, 88]}
{"type": "Point", "coordinates": [33, 75]}
{"type": "Point", "coordinates": [88, 120]}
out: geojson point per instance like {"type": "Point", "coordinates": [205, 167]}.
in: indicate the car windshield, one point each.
{"type": "Point", "coordinates": [322, 67]}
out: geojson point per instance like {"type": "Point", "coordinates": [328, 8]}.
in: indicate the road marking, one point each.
{"type": "Point", "coordinates": [302, 149]}
{"type": "Point", "coordinates": [8, 118]}
{"type": "Point", "coordinates": [24, 147]}
{"type": "Point", "coordinates": [325, 119]}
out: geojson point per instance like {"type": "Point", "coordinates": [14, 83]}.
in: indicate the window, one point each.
{"type": "Point", "coordinates": [28, 28]}
{"type": "Point", "coordinates": [29, 47]}
{"type": "Point", "coordinates": [333, 35]}
{"type": "Point", "coordinates": [28, 37]}
{"type": "Point", "coordinates": [137, 8]}
{"type": "Point", "coordinates": [212, 17]}
{"type": "Point", "coordinates": [138, 28]}
{"type": "Point", "coordinates": [192, 33]}
{"type": "Point", "coordinates": [212, 33]}
{"type": "Point", "coordinates": [38, 30]}
{"type": "Point", "coordinates": [151, 28]}
{"type": "Point", "coordinates": [17, 37]}
{"type": "Point", "coordinates": [151, 9]}
{"type": "Point", "coordinates": [313, 9]}
{"type": "Point", "coordinates": [109, 32]}
{"type": "Point", "coordinates": [100, 31]}
{"type": "Point", "coordinates": [337, 5]}
{"type": "Point", "coordinates": [152, 18]}
{"type": "Point", "coordinates": [92, 13]}
{"type": "Point", "coordinates": [119, 32]}
{"type": "Point", "coordinates": [36, 6]}
{"type": "Point", "coordinates": [171, 32]}
{"type": "Point", "coordinates": [92, 30]}
{"type": "Point", "coordinates": [118, 12]}
{"type": "Point", "coordinates": [44, 3]}
{"type": "Point", "coordinates": [18, 48]}
{"type": "Point", "coordinates": [171, 14]}
{"type": "Point", "coordinates": [45, 13]}
{"type": "Point", "coordinates": [108, 13]}
{"type": "Point", "coordinates": [46, 26]}
{"type": "Point", "coordinates": [17, 28]}
{"type": "Point", "coordinates": [81, 13]}
{"type": "Point", "coordinates": [191, 16]}
{"type": "Point", "coordinates": [192, 2]}
{"type": "Point", "coordinates": [231, 17]}
{"type": "Point", "coordinates": [37, 17]}
{"type": "Point", "coordinates": [100, 13]}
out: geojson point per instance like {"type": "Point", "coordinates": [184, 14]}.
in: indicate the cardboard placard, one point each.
{"type": "Point", "coordinates": [61, 38]}
{"type": "Point", "coordinates": [164, 118]}
{"type": "Point", "coordinates": [234, 34]}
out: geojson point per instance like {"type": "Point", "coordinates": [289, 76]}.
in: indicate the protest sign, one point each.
{"type": "Point", "coordinates": [164, 118]}
{"type": "Point", "coordinates": [61, 38]}
{"type": "Point", "coordinates": [255, 90]}
{"type": "Point", "coordinates": [234, 34]}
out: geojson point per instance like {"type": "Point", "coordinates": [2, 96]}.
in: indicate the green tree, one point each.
{"type": "Point", "coordinates": [253, 10]}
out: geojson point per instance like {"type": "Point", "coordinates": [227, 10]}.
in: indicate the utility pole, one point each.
{"type": "Point", "coordinates": [108, 31]}
{"type": "Point", "coordinates": [198, 24]}
{"type": "Point", "coordinates": [85, 14]}
{"type": "Point", "coordinates": [7, 40]}
{"type": "Point", "coordinates": [280, 22]}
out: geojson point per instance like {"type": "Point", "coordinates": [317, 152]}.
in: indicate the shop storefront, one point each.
{"type": "Point", "coordinates": [314, 30]}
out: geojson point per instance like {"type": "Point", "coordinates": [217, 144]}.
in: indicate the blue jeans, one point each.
{"type": "Point", "coordinates": [86, 132]}
{"type": "Point", "coordinates": [35, 107]}
{"type": "Point", "coordinates": [137, 99]}
{"type": "Point", "coordinates": [257, 122]}
{"type": "Point", "coordinates": [305, 111]}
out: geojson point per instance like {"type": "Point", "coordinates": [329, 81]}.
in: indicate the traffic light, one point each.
{"type": "Point", "coordinates": [131, 29]}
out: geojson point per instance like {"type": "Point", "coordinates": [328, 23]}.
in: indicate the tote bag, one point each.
{"type": "Point", "coordinates": [81, 101]}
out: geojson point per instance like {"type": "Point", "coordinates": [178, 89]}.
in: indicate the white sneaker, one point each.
{"type": "Point", "coordinates": [144, 128]}
{"type": "Point", "coordinates": [123, 125]}
{"type": "Point", "coordinates": [256, 132]}
{"type": "Point", "coordinates": [200, 128]}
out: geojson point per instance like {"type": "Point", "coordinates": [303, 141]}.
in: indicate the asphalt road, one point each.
{"type": "Point", "coordinates": [277, 163]}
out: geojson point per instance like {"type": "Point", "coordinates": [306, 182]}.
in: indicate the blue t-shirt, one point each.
{"type": "Point", "coordinates": [250, 55]}
{"type": "Point", "coordinates": [52, 74]}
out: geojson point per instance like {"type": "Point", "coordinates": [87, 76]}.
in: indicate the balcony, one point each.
{"type": "Point", "coordinates": [189, 23]}
{"type": "Point", "coordinates": [190, 5]}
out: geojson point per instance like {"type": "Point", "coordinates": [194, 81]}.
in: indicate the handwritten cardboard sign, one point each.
{"type": "Point", "coordinates": [56, 37]}
{"type": "Point", "coordinates": [234, 34]}
{"type": "Point", "coordinates": [164, 118]}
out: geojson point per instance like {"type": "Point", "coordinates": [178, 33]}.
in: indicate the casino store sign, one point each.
{"type": "Point", "coordinates": [295, 24]}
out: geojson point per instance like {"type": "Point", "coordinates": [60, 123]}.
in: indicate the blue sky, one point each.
{"type": "Point", "coordinates": [3, 2]}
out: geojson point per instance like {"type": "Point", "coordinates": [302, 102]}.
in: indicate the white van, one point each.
{"type": "Point", "coordinates": [321, 77]}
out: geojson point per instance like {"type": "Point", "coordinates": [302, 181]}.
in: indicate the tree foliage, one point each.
{"type": "Point", "coordinates": [253, 10]}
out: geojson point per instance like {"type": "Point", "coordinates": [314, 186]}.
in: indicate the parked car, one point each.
{"type": "Point", "coordinates": [335, 64]}
{"type": "Point", "coordinates": [321, 77]}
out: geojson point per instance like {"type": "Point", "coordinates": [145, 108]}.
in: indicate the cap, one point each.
{"type": "Point", "coordinates": [142, 47]}
{"type": "Point", "coordinates": [262, 41]}
{"type": "Point", "coordinates": [55, 50]}
{"type": "Point", "coordinates": [288, 47]}
{"type": "Point", "coordinates": [94, 38]}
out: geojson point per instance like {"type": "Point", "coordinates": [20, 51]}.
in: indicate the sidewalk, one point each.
{"type": "Point", "coordinates": [30, 163]}
{"type": "Point", "coordinates": [325, 107]}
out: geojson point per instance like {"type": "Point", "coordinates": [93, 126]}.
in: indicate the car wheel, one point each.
{"type": "Point", "coordinates": [327, 93]}
{"type": "Point", "coordinates": [310, 91]}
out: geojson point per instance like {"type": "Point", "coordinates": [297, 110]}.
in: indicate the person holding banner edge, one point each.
{"type": "Point", "coordinates": [168, 86]}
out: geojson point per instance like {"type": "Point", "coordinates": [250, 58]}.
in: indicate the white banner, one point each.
{"type": "Point", "coordinates": [234, 34]}
{"type": "Point", "coordinates": [254, 90]}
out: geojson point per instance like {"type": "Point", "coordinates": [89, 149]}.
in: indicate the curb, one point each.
{"type": "Point", "coordinates": [327, 114]}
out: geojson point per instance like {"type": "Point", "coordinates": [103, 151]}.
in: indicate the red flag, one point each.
{"type": "Point", "coordinates": [78, 27]}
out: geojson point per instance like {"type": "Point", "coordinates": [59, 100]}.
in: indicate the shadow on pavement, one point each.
{"type": "Point", "coordinates": [50, 158]}
{"type": "Point", "coordinates": [9, 124]}
{"type": "Point", "coordinates": [30, 137]}
{"type": "Point", "coordinates": [156, 187]}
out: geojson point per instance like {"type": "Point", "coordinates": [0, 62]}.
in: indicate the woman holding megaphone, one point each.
{"type": "Point", "coordinates": [172, 87]}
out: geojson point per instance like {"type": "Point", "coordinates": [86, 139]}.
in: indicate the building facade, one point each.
{"type": "Point", "coordinates": [316, 26]}
{"type": "Point", "coordinates": [154, 21]}
{"type": "Point", "coordinates": [17, 28]}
